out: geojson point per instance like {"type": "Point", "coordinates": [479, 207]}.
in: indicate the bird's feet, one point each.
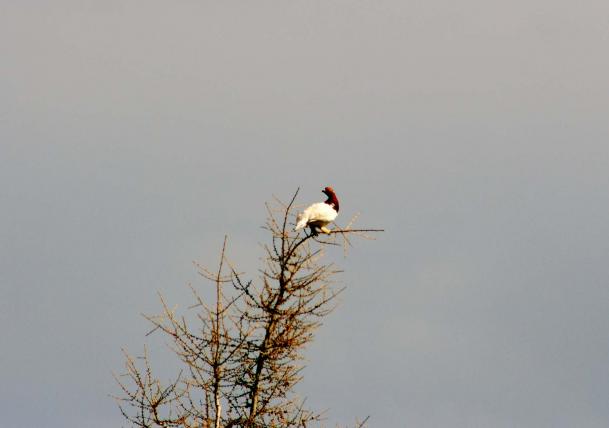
{"type": "Point", "coordinates": [325, 230]}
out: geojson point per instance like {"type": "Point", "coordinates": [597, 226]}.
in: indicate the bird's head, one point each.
{"type": "Point", "coordinates": [328, 191]}
{"type": "Point", "coordinates": [332, 199]}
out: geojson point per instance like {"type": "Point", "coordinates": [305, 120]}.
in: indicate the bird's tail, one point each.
{"type": "Point", "coordinates": [301, 222]}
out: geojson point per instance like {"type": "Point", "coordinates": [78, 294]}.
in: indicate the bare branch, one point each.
{"type": "Point", "coordinates": [241, 364]}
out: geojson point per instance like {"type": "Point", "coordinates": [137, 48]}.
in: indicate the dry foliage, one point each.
{"type": "Point", "coordinates": [244, 356]}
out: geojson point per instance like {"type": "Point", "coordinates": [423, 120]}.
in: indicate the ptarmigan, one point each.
{"type": "Point", "coordinates": [319, 215]}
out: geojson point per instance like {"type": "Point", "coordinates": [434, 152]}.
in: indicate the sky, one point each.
{"type": "Point", "coordinates": [135, 134]}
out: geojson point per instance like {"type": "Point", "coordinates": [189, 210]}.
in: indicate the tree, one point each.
{"type": "Point", "coordinates": [244, 356]}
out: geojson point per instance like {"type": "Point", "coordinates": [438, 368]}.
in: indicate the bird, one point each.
{"type": "Point", "coordinates": [320, 214]}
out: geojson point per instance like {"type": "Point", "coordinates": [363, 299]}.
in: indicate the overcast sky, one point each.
{"type": "Point", "coordinates": [135, 134]}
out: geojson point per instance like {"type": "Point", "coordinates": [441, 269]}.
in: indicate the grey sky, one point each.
{"type": "Point", "coordinates": [135, 134]}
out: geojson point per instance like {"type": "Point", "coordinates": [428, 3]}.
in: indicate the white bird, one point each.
{"type": "Point", "coordinates": [320, 214]}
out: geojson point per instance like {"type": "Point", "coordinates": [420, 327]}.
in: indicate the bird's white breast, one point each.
{"type": "Point", "coordinates": [320, 212]}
